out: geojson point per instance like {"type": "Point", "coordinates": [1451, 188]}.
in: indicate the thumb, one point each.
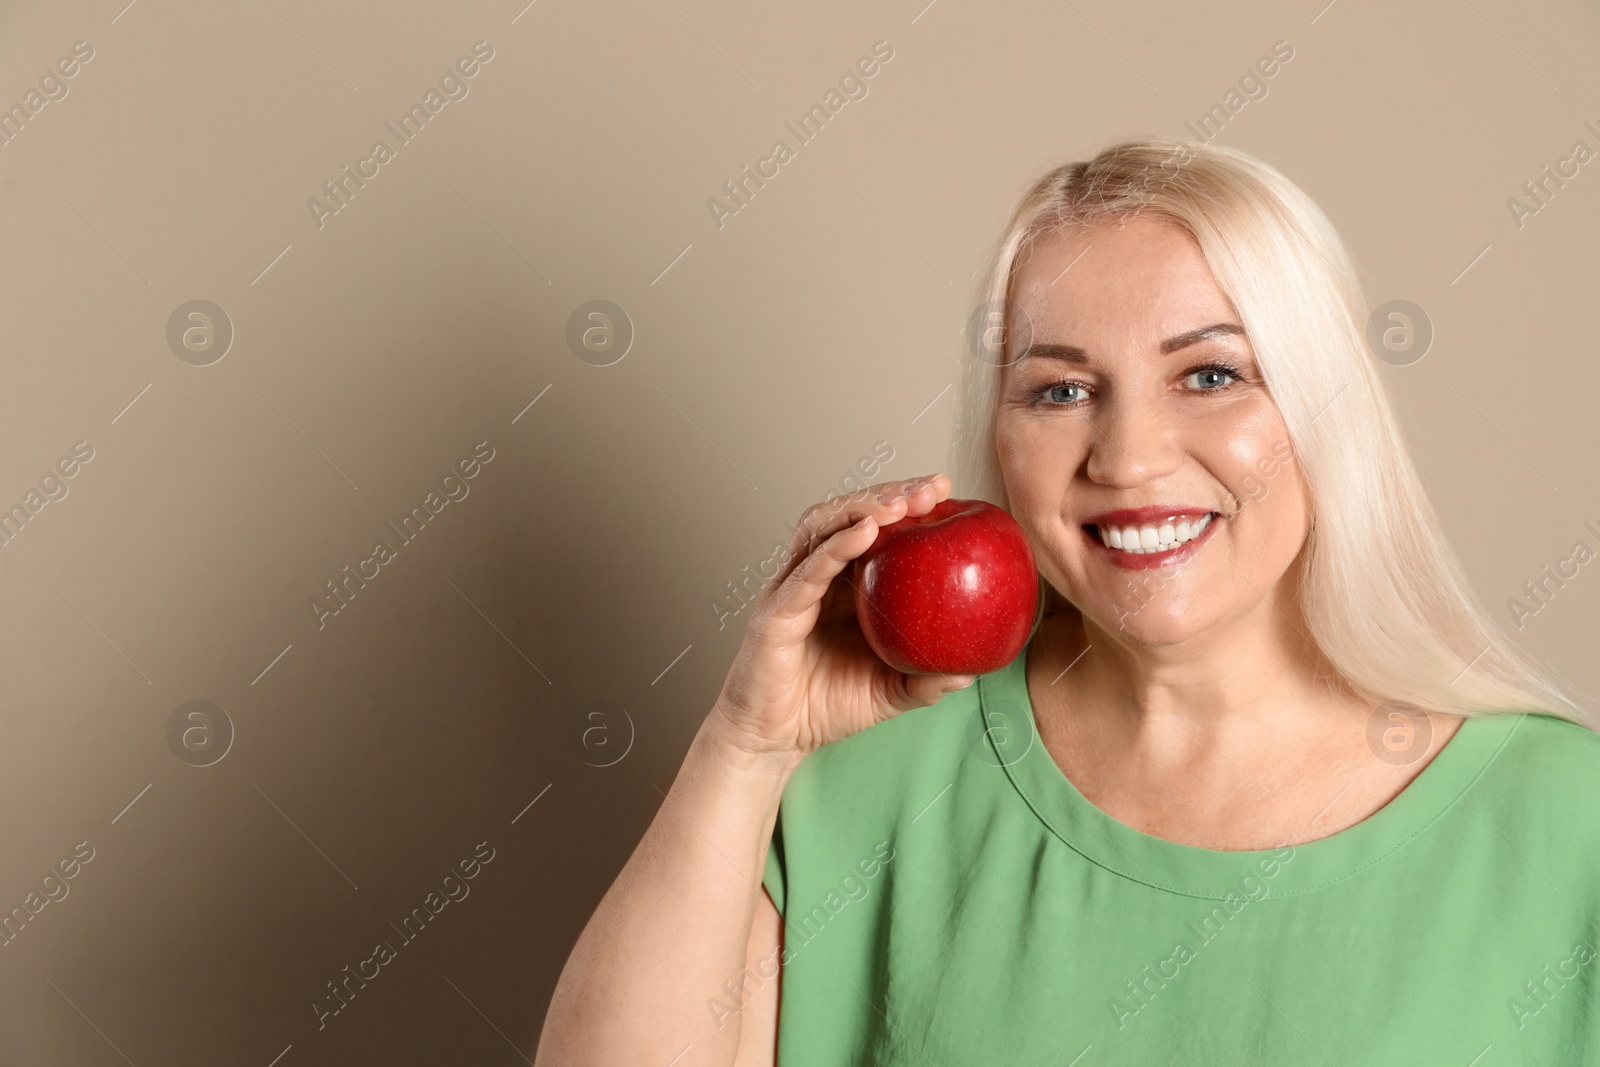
{"type": "Point", "coordinates": [927, 689]}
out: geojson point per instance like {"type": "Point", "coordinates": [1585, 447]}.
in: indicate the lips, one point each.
{"type": "Point", "coordinates": [1140, 538]}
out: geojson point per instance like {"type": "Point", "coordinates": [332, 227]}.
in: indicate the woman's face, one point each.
{"type": "Point", "coordinates": [1135, 412]}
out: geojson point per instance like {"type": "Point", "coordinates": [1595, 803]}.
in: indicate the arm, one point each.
{"type": "Point", "coordinates": [688, 912]}
{"type": "Point", "coordinates": [758, 1040]}
{"type": "Point", "coordinates": [676, 924]}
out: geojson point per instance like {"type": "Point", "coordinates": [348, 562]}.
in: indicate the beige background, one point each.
{"type": "Point", "coordinates": [456, 689]}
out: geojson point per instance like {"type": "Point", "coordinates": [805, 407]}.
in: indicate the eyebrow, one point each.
{"type": "Point", "coordinates": [1074, 354]}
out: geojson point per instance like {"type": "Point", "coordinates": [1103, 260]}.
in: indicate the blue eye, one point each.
{"type": "Point", "coordinates": [1062, 393]}
{"type": "Point", "coordinates": [1209, 377]}
{"type": "Point", "coordinates": [1055, 393]}
{"type": "Point", "coordinates": [1206, 378]}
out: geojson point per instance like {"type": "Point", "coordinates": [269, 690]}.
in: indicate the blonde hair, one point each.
{"type": "Point", "coordinates": [1383, 594]}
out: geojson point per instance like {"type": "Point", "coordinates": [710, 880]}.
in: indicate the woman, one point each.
{"type": "Point", "coordinates": [1265, 787]}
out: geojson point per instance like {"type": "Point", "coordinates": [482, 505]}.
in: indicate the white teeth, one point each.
{"type": "Point", "coordinates": [1139, 540]}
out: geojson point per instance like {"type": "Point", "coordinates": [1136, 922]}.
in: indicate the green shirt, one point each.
{"type": "Point", "coordinates": [950, 899]}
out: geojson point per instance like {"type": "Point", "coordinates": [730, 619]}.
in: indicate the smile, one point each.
{"type": "Point", "coordinates": [1142, 545]}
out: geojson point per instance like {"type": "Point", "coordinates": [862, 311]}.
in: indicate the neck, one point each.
{"type": "Point", "coordinates": [1255, 682]}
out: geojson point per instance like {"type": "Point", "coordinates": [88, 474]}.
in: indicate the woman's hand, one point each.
{"type": "Point", "coordinates": [805, 675]}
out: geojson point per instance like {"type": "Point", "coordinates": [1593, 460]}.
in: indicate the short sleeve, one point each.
{"type": "Point", "coordinates": [774, 878]}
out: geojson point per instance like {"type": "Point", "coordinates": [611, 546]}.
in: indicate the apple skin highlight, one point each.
{"type": "Point", "coordinates": [955, 591]}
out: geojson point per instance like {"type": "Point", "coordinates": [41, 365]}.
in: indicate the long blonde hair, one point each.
{"type": "Point", "coordinates": [1385, 598]}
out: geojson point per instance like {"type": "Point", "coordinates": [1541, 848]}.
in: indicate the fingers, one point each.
{"type": "Point", "coordinates": [803, 588]}
{"type": "Point", "coordinates": [883, 503]}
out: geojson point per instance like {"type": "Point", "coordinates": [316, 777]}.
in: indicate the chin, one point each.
{"type": "Point", "coordinates": [1154, 629]}
{"type": "Point", "coordinates": [1145, 614]}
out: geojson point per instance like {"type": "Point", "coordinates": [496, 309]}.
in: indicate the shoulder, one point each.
{"type": "Point", "coordinates": [871, 785]}
{"type": "Point", "coordinates": [886, 761]}
{"type": "Point", "coordinates": [1551, 756]}
{"type": "Point", "coordinates": [1541, 788]}
{"type": "Point", "coordinates": [845, 805]}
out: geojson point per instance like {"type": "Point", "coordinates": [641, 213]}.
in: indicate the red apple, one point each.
{"type": "Point", "coordinates": [954, 591]}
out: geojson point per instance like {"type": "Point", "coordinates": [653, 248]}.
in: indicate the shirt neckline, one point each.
{"type": "Point", "coordinates": [1006, 718]}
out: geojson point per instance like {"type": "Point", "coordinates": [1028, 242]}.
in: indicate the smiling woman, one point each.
{"type": "Point", "coordinates": [1177, 826]}
{"type": "Point", "coordinates": [1280, 356]}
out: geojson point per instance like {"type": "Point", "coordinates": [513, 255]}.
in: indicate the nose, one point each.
{"type": "Point", "coordinates": [1133, 441]}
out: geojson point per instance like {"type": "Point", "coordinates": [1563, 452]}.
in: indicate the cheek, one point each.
{"type": "Point", "coordinates": [1242, 452]}
{"type": "Point", "coordinates": [1272, 532]}
{"type": "Point", "coordinates": [1036, 444]}
{"type": "Point", "coordinates": [1036, 461]}
{"type": "Point", "coordinates": [1288, 501]}
{"type": "Point", "coordinates": [1256, 467]}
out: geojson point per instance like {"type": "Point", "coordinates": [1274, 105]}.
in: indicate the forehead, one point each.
{"type": "Point", "coordinates": [1141, 277]}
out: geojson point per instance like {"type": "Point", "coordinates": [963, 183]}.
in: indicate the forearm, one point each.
{"type": "Point", "coordinates": [675, 924]}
